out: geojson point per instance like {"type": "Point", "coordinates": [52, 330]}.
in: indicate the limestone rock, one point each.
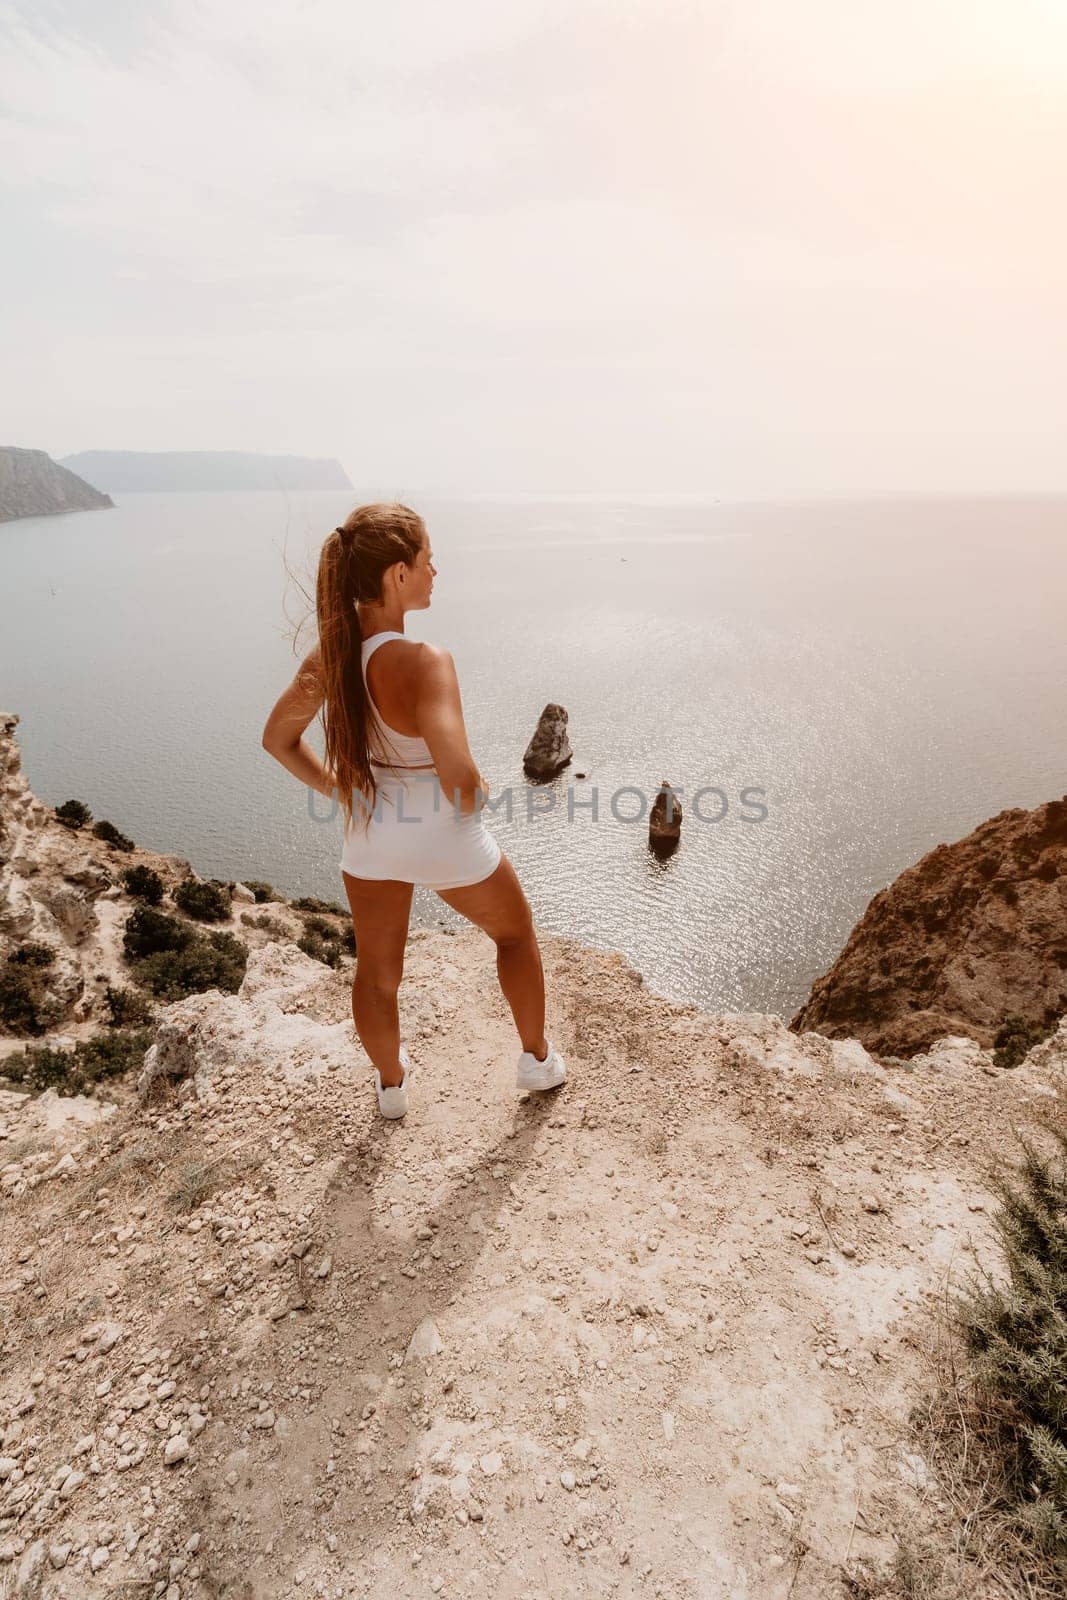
{"type": "Point", "coordinates": [424, 1342]}
{"type": "Point", "coordinates": [975, 932]}
{"type": "Point", "coordinates": [549, 751]}
{"type": "Point", "coordinates": [267, 1023]}
{"type": "Point", "coordinates": [665, 819]}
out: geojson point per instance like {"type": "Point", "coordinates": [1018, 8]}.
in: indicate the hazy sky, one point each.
{"type": "Point", "coordinates": [752, 247]}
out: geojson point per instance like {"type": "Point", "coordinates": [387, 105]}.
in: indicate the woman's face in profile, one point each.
{"type": "Point", "coordinates": [423, 575]}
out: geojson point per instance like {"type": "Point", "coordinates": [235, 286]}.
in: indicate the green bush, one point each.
{"type": "Point", "coordinates": [212, 961]}
{"type": "Point", "coordinates": [325, 941]}
{"type": "Point", "coordinates": [32, 954]}
{"type": "Point", "coordinates": [18, 1002]}
{"type": "Point", "coordinates": [25, 1005]}
{"type": "Point", "coordinates": [207, 902]}
{"type": "Point", "coordinates": [105, 1055]}
{"type": "Point", "coordinates": [127, 1007]}
{"type": "Point", "coordinates": [312, 945]}
{"type": "Point", "coordinates": [73, 814]}
{"type": "Point", "coordinates": [1016, 1038]}
{"type": "Point", "coordinates": [1017, 1338]}
{"type": "Point", "coordinates": [149, 931]}
{"type": "Point", "coordinates": [262, 891]}
{"type": "Point", "coordinates": [143, 884]}
{"type": "Point", "coordinates": [308, 902]}
{"type": "Point", "coordinates": [264, 920]}
{"type": "Point", "coordinates": [111, 835]}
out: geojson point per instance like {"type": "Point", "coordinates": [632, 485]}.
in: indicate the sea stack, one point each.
{"type": "Point", "coordinates": [549, 751]}
{"type": "Point", "coordinates": [665, 820]}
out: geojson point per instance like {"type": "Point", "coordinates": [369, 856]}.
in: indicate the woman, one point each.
{"type": "Point", "coordinates": [398, 759]}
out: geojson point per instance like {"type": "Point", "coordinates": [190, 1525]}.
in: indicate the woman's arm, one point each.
{"type": "Point", "coordinates": [282, 735]}
{"type": "Point", "coordinates": [439, 719]}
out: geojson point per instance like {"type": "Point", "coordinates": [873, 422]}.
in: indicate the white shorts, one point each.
{"type": "Point", "coordinates": [415, 835]}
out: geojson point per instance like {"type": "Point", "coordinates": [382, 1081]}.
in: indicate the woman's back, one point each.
{"type": "Point", "coordinates": [410, 835]}
{"type": "Point", "coordinates": [395, 748]}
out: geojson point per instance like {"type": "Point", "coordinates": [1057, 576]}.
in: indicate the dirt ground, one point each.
{"type": "Point", "coordinates": [656, 1333]}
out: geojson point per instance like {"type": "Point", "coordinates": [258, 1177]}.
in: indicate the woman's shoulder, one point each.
{"type": "Point", "coordinates": [423, 655]}
{"type": "Point", "coordinates": [436, 662]}
{"type": "Point", "coordinates": [413, 647]}
{"type": "Point", "coordinates": [420, 666]}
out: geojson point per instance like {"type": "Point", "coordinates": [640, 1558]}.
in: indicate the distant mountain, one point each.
{"type": "Point", "coordinates": [142, 472]}
{"type": "Point", "coordinates": [33, 485]}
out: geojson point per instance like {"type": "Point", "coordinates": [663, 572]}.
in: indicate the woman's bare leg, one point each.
{"type": "Point", "coordinates": [380, 912]}
{"type": "Point", "coordinates": [498, 906]}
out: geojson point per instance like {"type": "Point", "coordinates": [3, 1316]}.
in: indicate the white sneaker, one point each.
{"type": "Point", "coordinates": [532, 1075]}
{"type": "Point", "coordinates": [393, 1101]}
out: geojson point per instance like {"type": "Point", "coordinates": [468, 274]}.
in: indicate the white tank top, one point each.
{"type": "Point", "coordinates": [398, 751]}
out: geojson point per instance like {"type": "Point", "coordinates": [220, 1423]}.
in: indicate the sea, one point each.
{"type": "Point", "coordinates": [833, 688]}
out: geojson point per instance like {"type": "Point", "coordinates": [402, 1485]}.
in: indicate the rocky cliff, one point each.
{"type": "Point", "coordinates": [137, 472]}
{"type": "Point", "coordinates": [658, 1334]}
{"type": "Point", "coordinates": [974, 933]}
{"type": "Point", "coordinates": [33, 485]}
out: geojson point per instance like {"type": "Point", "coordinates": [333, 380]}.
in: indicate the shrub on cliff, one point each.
{"type": "Point", "coordinates": [73, 814]}
{"type": "Point", "coordinates": [33, 953]}
{"type": "Point", "coordinates": [111, 835]}
{"type": "Point", "coordinates": [25, 1004]}
{"type": "Point", "coordinates": [308, 902]}
{"type": "Point", "coordinates": [149, 931]}
{"type": "Point", "coordinates": [264, 920]}
{"type": "Point", "coordinates": [172, 959]}
{"type": "Point", "coordinates": [261, 890]}
{"type": "Point", "coordinates": [1017, 1338]}
{"type": "Point", "coordinates": [212, 961]}
{"type": "Point", "coordinates": [143, 884]}
{"type": "Point", "coordinates": [127, 1007]}
{"type": "Point", "coordinates": [207, 902]}
{"type": "Point", "coordinates": [325, 941]}
{"type": "Point", "coordinates": [105, 1055]}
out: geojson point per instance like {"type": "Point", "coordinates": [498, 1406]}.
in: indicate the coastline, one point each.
{"type": "Point", "coordinates": [694, 1288]}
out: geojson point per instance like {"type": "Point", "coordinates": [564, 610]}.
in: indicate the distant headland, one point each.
{"type": "Point", "coordinates": [33, 485]}
{"type": "Point", "coordinates": [146, 472]}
